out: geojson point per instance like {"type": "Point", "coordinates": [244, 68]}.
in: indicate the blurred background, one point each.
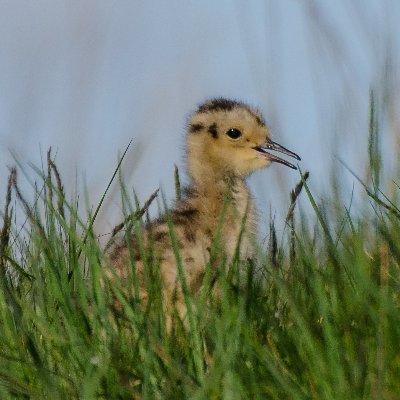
{"type": "Point", "coordinates": [86, 77]}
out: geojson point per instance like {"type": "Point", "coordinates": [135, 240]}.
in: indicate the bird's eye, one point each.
{"type": "Point", "coordinates": [234, 133]}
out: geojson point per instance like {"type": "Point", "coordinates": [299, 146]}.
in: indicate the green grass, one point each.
{"type": "Point", "coordinates": [317, 317]}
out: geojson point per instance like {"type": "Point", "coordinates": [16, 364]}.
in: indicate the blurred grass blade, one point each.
{"type": "Point", "coordinates": [373, 196]}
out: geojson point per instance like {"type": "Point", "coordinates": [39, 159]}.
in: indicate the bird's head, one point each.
{"type": "Point", "coordinates": [229, 137]}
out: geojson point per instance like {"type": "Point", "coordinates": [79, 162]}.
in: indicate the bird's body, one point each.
{"type": "Point", "coordinates": [226, 141]}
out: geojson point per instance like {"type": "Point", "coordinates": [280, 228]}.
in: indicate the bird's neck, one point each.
{"type": "Point", "coordinates": [216, 189]}
{"type": "Point", "coordinates": [216, 186]}
{"type": "Point", "coordinates": [217, 194]}
{"type": "Point", "coordinates": [208, 179]}
{"type": "Point", "coordinates": [226, 199]}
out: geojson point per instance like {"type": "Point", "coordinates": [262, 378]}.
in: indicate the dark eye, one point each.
{"type": "Point", "coordinates": [234, 133]}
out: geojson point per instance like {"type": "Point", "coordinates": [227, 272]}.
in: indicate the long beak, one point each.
{"type": "Point", "coordinates": [270, 145]}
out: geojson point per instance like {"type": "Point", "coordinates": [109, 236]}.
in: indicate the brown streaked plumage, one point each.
{"type": "Point", "coordinates": [226, 141]}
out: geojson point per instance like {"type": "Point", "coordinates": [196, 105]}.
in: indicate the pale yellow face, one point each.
{"type": "Point", "coordinates": [228, 138]}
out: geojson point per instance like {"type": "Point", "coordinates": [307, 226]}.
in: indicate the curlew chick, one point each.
{"type": "Point", "coordinates": [226, 141]}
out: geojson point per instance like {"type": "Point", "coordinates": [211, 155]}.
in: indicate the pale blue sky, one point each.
{"type": "Point", "coordinates": [87, 76]}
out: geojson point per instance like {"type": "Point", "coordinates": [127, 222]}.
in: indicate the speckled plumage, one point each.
{"type": "Point", "coordinates": [217, 165]}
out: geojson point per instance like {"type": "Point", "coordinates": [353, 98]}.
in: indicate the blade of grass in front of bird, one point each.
{"type": "Point", "coordinates": [197, 354]}
{"type": "Point", "coordinates": [93, 218]}
{"type": "Point", "coordinates": [315, 207]}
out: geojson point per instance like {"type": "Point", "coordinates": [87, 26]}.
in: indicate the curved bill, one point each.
{"type": "Point", "coordinates": [270, 145]}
